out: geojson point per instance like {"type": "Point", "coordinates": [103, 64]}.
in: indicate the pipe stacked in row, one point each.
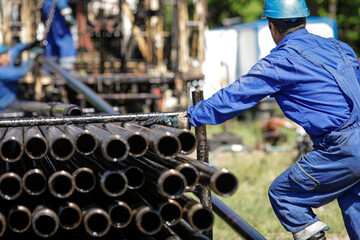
{"type": "Point", "coordinates": [104, 180]}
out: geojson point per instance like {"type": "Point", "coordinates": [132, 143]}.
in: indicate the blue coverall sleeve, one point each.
{"type": "Point", "coordinates": [11, 73]}
{"type": "Point", "coordinates": [16, 50]}
{"type": "Point", "coordinates": [62, 4]}
{"type": "Point", "coordinates": [244, 93]}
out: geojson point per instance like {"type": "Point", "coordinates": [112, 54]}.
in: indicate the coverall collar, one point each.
{"type": "Point", "coordinates": [290, 36]}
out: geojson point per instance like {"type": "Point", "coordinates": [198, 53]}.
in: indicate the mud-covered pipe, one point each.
{"type": "Point", "coordinates": [12, 145]}
{"type": "Point", "coordinates": [113, 147]}
{"type": "Point", "coordinates": [62, 147]}
{"type": "Point", "coordinates": [138, 145]}
{"type": "Point", "coordinates": [21, 122]}
{"type": "Point", "coordinates": [187, 139]}
{"type": "Point", "coordinates": [70, 215]}
{"type": "Point", "coordinates": [35, 144]}
{"type": "Point", "coordinates": [221, 181]}
{"type": "Point", "coordinates": [44, 221]}
{"type": "Point", "coordinates": [164, 144]}
{"type": "Point", "coordinates": [19, 219]}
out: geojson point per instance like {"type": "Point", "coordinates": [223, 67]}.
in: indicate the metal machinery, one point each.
{"type": "Point", "coordinates": [74, 163]}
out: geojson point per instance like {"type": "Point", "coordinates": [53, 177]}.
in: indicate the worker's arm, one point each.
{"type": "Point", "coordinates": [244, 93]}
{"type": "Point", "coordinates": [66, 12]}
{"type": "Point", "coordinates": [15, 51]}
{"type": "Point", "coordinates": [13, 74]}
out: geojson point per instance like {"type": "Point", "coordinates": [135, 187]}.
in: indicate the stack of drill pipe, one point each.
{"type": "Point", "coordinates": [104, 180]}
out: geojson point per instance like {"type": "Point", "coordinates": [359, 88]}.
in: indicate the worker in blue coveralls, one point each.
{"type": "Point", "coordinates": [315, 81]}
{"type": "Point", "coordinates": [60, 43]}
{"type": "Point", "coordinates": [11, 74]}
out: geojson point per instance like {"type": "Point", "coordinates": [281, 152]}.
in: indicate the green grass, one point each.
{"type": "Point", "coordinates": [255, 170]}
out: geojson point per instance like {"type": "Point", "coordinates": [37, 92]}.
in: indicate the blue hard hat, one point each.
{"type": "Point", "coordinates": [284, 9]}
{"type": "Point", "coordinates": [3, 49]}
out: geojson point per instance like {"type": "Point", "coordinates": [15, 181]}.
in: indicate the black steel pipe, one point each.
{"type": "Point", "coordinates": [70, 215]}
{"type": "Point", "coordinates": [120, 214]}
{"type": "Point", "coordinates": [184, 230]}
{"type": "Point", "coordinates": [187, 139]}
{"type": "Point", "coordinates": [44, 221]}
{"type": "Point", "coordinates": [62, 147]}
{"type": "Point", "coordinates": [85, 141]}
{"type": "Point", "coordinates": [198, 215]}
{"type": "Point", "coordinates": [113, 147]}
{"type": "Point", "coordinates": [80, 87]}
{"type": "Point", "coordinates": [84, 179]}
{"type": "Point", "coordinates": [35, 144]}
{"type": "Point", "coordinates": [169, 183]}
{"type": "Point", "coordinates": [166, 233]}
{"type": "Point", "coordinates": [19, 219]}
{"type": "Point", "coordinates": [61, 184]}
{"type": "Point", "coordinates": [12, 144]}
{"type": "Point", "coordinates": [241, 227]}
{"type": "Point", "coordinates": [135, 176]}
{"type": "Point", "coordinates": [138, 145]}
{"type": "Point", "coordinates": [147, 220]}
{"type": "Point", "coordinates": [221, 181]}
{"type": "Point", "coordinates": [165, 145]}
{"type": "Point", "coordinates": [3, 224]}
{"type": "Point", "coordinates": [191, 173]}
{"type": "Point", "coordinates": [11, 185]}
{"type": "Point", "coordinates": [21, 122]}
{"type": "Point", "coordinates": [34, 182]}
{"type": "Point", "coordinates": [53, 109]}
{"type": "Point", "coordinates": [96, 222]}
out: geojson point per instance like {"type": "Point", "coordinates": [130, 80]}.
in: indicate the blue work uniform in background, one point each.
{"type": "Point", "coordinates": [11, 74]}
{"type": "Point", "coordinates": [315, 81]}
{"type": "Point", "coordinates": [61, 44]}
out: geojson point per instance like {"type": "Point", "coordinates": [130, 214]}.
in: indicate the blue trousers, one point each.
{"type": "Point", "coordinates": [331, 171]}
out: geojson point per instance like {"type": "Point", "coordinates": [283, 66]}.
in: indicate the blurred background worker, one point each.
{"type": "Point", "coordinates": [315, 81]}
{"type": "Point", "coordinates": [11, 74]}
{"type": "Point", "coordinates": [60, 43]}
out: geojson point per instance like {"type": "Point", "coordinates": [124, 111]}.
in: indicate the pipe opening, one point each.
{"type": "Point", "coordinates": [98, 224]}
{"type": "Point", "coordinates": [226, 184]}
{"type": "Point", "coordinates": [138, 145]}
{"type": "Point", "coordinates": [116, 149]}
{"type": "Point", "coordinates": [120, 216]}
{"type": "Point", "coordinates": [69, 218]}
{"type": "Point", "coordinates": [115, 183]}
{"type": "Point", "coordinates": [86, 144]}
{"type": "Point", "coordinates": [36, 148]}
{"type": "Point", "coordinates": [151, 222]}
{"type": "Point", "coordinates": [45, 225]}
{"type": "Point", "coordinates": [135, 177]}
{"type": "Point", "coordinates": [19, 221]}
{"type": "Point", "coordinates": [10, 186]}
{"type": "Point", "coordinates": [171, 213]}
{"type": "Point", "coordinates": [2, 225]}
{"type": "Point", "coordinates": [188, 142]}
{"type": "Point", "coordinates": [191, 175]}
{"type": "Point", "coordinates": [74, 112]}
{"type": "Point", "coordinates": [202, 219]}
{"type": "Point", "coordinates": [173, 186]}
{"type": "Point", "coordinates": [34, 183]}
{"type": "Point", "coordinates": [84, 180]}
{"type": "Point", "coordinates": [11, 150]}
{"type": "Point", "coordinates": [61, 186]}
{"type": "Point", "coordinates": [62, 148]}
{"type": "Point", "coordinates": [168, 146]}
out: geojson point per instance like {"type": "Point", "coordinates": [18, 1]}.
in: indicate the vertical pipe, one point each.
{"type": "Point", "coordinates": [202, 155]}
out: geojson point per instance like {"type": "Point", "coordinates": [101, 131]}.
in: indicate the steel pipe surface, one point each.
{"type": "Point", "coordinates": [85, 141]}
{"type": "Point", "coordinates": [3, 224]}
{"type": "Point", "coordinates": [34, 182]}
{"type": "Point", "coordinates": [19, 219]}
{"type": "Point", "coordinates": [11, 186]}
{"type": "Point", "coordinates": [35, 144]}
{"type": "Point", "coordinates": [120, 214]}
{"type": "Point", "coordinates": [70, 216]}
{"type": "Point", "coordinates": [12, 144]}
{"type": "Point", "coordinates": [84, 179]}
{"type": "Point", "coordinates": [44, 221]}
{"type": "Point", "coordinates": [96, 222]}
{"type": "Point", "coordinates": [61, 184]}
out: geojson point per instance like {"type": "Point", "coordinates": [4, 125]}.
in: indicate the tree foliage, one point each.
{"type": "Point", "coordinates": [345, 12]}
